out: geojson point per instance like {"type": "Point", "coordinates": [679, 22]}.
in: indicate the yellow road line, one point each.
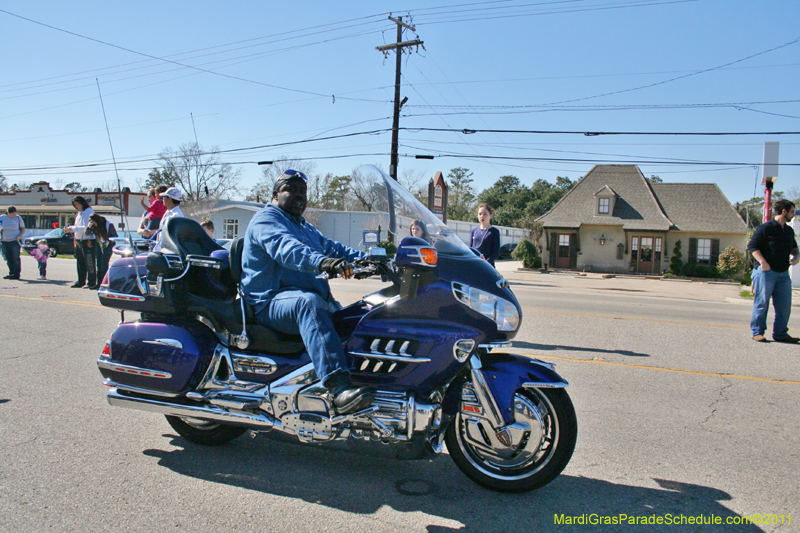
{"type": "Point", "coordinates": [53, 300]}
{"type": "Point", "coordinates": [657, 368]}
{"type": "Point", "coordinates": [635, 318]}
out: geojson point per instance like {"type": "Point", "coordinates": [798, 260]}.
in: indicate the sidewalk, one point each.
{"type": "Point", "coordinates": [714, 291]}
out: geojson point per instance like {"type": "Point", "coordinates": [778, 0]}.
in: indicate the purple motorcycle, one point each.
{"type": "Point", "coordinates": [424, 343]}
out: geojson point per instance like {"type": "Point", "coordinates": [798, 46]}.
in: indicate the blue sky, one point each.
{"type": "Point", "coordinates": [257, 74]}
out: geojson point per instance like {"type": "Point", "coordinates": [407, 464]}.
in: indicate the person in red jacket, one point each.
{"type": "Point", "coordinates": [154, 207]}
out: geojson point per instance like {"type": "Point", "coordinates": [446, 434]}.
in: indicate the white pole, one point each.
{"type": "Point", "coordinates": [794, 271]}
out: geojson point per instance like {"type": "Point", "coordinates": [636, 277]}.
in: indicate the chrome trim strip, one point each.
{"type": "Point", "coordinates": [551, 366]}
{"type": "Point", "coordinates": [545, 385]}
{"type": "Point", "coordinates": [253, 364]}
{"type": "Point", "coordinates": [492, 345]}
{"type": "Point", "coordinates": [207, 263]}
{"type": "Point", "coordinates": [203, 412]}
{"type": "Point", "coordinates": [166, 342]}
{"type": "Point", "coordinates": [391, 357]}
{"type": "Point", "coordinates": [140, 390]}
{"type": "Point", "coordinates": [113, 295]}
{"type": "Point", "coordinates": [138, 371]}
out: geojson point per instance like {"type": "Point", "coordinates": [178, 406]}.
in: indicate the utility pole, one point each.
{"type": "Point", "coordinates": [398, 48]}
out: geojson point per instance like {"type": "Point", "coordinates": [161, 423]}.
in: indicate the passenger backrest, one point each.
{"type": "Point", "coordinates": [237, 247]}
{"type": "Point", "coordinates": [185, 236]}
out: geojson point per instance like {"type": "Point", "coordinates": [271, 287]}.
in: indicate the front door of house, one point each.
{"type": "Point", "coordinates": [562, 259]}
{"type": "Point", "coordinates": [645, 254]}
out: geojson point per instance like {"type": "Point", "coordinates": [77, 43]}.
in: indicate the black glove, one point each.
{"type": "Point", "coordinates": [334, 266]}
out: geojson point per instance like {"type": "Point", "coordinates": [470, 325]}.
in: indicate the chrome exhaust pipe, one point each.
{"type": "Point", "coordinates": [161, 407]}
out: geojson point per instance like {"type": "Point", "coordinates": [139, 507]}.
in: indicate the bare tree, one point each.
{"type": "Point", "coordinates": [369, 192]}
{"type": "Point", "coordinates": [414, 182]}
{"type": "Point", "coordinates": [202, 176]}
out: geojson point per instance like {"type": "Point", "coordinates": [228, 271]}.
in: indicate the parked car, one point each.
{"type": "Point", "coordinates": [506, 249]}
{"type": "Point", "coordinates": [58, 242]}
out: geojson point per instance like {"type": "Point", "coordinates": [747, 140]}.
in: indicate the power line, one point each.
{"type": "Point", "coordinates": [166, 60]}
{"type": "Point", "coordinates": [598, 133]}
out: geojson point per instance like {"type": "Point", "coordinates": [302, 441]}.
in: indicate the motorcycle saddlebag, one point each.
{"type": "Point", "coordinates": [169, 357]}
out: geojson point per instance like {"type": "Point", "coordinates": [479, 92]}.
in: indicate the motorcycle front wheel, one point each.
{"type": "Point", "coordinates": [526, 454]}
{"type": "Point", "coordinates": [204, 432]}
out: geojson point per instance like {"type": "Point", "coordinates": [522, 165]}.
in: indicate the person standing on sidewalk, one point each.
{"type": "Point", "coordinates": [12, 228]}
{"type": "Point", "coordinates": [85, 244]}
{"type": "Point", "coordinates": [772, 245]}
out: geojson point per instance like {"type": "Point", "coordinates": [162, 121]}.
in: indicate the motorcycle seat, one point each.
{"type": "Point", "coordinates": [260, 335]}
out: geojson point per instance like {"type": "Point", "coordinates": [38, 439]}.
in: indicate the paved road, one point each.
{"type": "Point", "coordinates": [679, 413]}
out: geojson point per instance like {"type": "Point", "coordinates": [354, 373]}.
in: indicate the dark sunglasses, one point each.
{"type": "Point", "coordinates": [292, 174]}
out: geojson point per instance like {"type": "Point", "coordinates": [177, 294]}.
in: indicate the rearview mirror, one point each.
{"type": "Point", "coordinates": [377, 254]}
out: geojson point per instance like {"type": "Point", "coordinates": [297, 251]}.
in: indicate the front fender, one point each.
{"type": "Point", "coordinates": [505, 373]}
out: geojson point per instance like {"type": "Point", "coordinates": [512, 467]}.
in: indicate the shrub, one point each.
{"type": "Point", "coordinates": [731, 262]}
{"type": "Point", "coordinates": [675, 263]}
{"type": "Point", "coordinates": [391, 248]}
{"type": "Point", "coordinates": [706, 272]}
{"type": "Point", "coordinates": [526, 252]}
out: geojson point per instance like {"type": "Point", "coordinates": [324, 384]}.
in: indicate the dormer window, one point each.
{"type": "Point", "coordinates": [604, 201]}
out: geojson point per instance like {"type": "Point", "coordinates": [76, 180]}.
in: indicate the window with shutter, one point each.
{"type": "Point", "coordinates": [692, 259]}
{"type": "Point", "coordinates": [703, 252]}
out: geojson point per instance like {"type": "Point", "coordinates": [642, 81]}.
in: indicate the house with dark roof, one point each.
{"type": "Point", "coordinates": [614, 220]}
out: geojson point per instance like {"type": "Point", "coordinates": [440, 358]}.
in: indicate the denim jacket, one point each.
{"type": "Point", "coordinates": [281, 252]}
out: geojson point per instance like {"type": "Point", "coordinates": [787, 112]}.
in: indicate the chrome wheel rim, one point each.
{"type": "Point", "coordinates": [522, 449]}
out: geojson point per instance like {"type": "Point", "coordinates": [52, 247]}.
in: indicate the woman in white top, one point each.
{"type": "Point", "coordinates": [85, 244]}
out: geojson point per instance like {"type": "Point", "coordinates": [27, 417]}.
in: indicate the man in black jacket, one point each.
{"type": "Point", "coordinates": [772, 245]}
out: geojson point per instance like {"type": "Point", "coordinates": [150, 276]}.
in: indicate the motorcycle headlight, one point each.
{"type": "Point", "coordinates": [503, 312]}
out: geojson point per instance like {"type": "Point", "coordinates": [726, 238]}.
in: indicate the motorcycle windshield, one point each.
{"type": "Point", "coordinates": [403, 210]}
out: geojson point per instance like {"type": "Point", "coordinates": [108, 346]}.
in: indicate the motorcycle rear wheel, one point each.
{"type": "Point", "coordinates": [527, 463]}
{"type": "Point", "coordinates": [204, 432]}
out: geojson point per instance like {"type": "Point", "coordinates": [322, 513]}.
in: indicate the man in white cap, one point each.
{"type": "Point", "coordinates": [172, 201]}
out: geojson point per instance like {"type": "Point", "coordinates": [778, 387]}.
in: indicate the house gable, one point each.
{"type": "Point", "coordinates": [634, 205]}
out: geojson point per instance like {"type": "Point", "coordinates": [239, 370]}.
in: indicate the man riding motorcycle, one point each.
{"type": "Point", "coordinates": [282, 258]}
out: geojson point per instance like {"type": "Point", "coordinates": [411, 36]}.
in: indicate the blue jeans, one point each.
{"type": "Point", "coordinates": [309, 315]}
{"type": "Point", "coordinates": [11, 253]}
{"type": "Point", "coordinates": [778, 286]}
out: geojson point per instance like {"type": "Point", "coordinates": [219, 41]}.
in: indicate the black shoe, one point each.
{"type": "Point", "coordinates": [350, 400]}
{"type": "Point", "coordinates": [7, 277]}
{"type": "Point", "coordinates": [13, 277]}
{"type": "Point", "coordinates": [347, 398]}
{"type": "Point", "coordinates": [76, 285]}
{"type": "Point", "coordinates": [790, 340]}
{"type": "Point", "coordinates": [94, 287]}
